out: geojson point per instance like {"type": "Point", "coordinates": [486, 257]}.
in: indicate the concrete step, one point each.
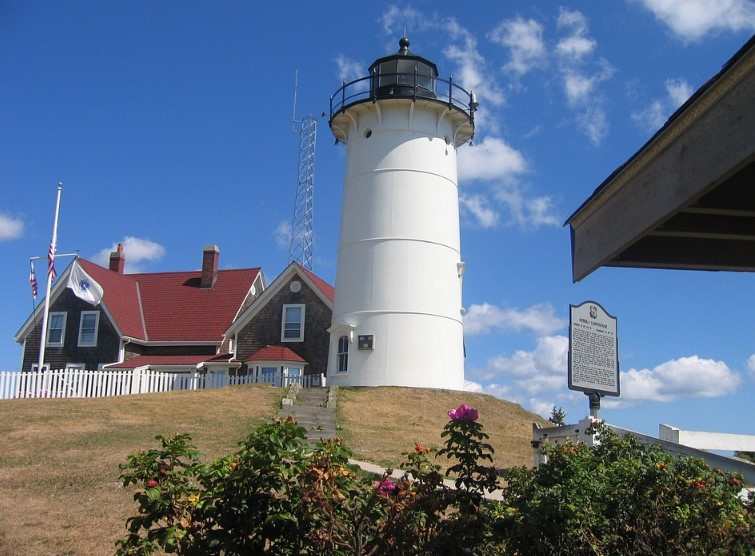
{"type": "Point", "coordinates": [312, 425]}
{"type": "Point", "coordinates": [305, 410]}
{"type": "Point", "coordinates": [310, 411]}
{"type": "Point", "coordinates": [312, 398]}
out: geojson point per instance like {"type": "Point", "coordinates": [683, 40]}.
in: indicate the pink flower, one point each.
{"type": "Point", "coordinates": [151, 483]}
{"type": "Point", "coordinates": [385, 487]}
{"type": "Point", "coordinates": [463, 413]}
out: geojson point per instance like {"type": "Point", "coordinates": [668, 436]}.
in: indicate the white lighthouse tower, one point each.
{"type": "Point", "coordinates": [397, 318]}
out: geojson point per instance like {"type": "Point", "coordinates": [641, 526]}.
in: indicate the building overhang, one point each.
{"type": "Point", "coordinates": [171, 343]}
{"type": "Point", "coordinates": [686, 200]}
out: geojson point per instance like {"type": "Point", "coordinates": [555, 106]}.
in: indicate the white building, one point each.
{"type": "Point", "coordinates": [398, 305]}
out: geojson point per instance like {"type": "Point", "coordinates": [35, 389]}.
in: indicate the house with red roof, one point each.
{"type": "Point", "coordinates": [203, 321]}
{"type": "Point", "coordinates": [161, 320]}
{"type": "Point", "coordinates": [285, 330]}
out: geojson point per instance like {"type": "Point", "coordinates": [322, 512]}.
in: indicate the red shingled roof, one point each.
{"type": "Point", "coordinates": [324, 287]}
{"type": "Point", "coordinates": [171, 306]}
{"type": "Point", "coordinates": [276, 353]}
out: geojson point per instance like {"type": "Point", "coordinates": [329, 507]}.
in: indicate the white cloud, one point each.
{"type": "Point", "coordinates": [283, 234]}
{"type": "Point", "coordinates": [472, 74]}
{"type": "Point", "coordinates": [136, 250]}
{"type": "Point", "coordinates": [484, 318]}
{"type": "Point", "coordinates": [686, 377]}
{"type": "Point", "coordinates": [528, 212]}
{"type": "Point", "coordinates": [348, 70]}
{"type": "Point", "coordinates": [581, 76]}
{"type": "Point", "coordinates": [593, 122]}
{"type": "Point", "coordinates": [471, 386]}
{"type": "Point", "coordinates": [401, 20]}
{"type": "Point", "coordinates": [496, 161]}
{"type": "Point", "coordinates": [524, 40]}
{"type": "Point", "coordinates": [531, 372]}
{"type": "Point", "coordinates": [751, 365]}
{"type": "Point", "coordinates": [651, 118]}
{"type": "Point", "coordinates": [655, 115]}
{"type": "Point", "coordinates": [678, 91]}
{"type": "Point", "coordinates": [541, 407]}
{"type": "Point", "coordinates": [10, 227]}
{"type": "Point", "coordinates": [693, 19]}
{"type": "Point", "coordinates": [577, 87]}
{"type": "Point", "coordinates": [575, 46]}
{"type": "Point", "coordinates": [580, 88]}
{"type": "Point", "coordinates": [490, 159]}
{"type": "Point", "coordinates": [497, 390]}
{"type": "Point", "coordinates": [479, 208]}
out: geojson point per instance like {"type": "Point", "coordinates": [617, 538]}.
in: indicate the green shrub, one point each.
{"type": "Point", "coordinates": [621, 497]}
{"type": "Point", "coordinates": [277, 495]}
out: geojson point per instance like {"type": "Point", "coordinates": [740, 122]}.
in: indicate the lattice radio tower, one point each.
{"type": "Point", "coordinates": [302, 239]}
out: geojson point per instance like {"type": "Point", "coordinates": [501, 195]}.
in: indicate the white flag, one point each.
{"type": "Point", "coordinates": [84, 285]}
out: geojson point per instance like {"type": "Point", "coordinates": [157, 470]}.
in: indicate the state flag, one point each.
{"type": "Point", "coordinates": [83, 285]}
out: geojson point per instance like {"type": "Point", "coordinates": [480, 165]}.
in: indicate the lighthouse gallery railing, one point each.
{"type": "Point", "coordinates": [407, 85]}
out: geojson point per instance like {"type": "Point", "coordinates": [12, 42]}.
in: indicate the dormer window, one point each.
{"type": "Point", "coordinates": [292, 327]}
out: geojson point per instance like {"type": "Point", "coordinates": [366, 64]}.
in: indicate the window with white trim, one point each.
{"type": "Point", "coordinates": [88, 326]}
{"type": "Point", "coordinates": [56, 329]}
{"type": "Point", "coordinates": [343, 354]}
{"type": "Point", "coordinates": [292, 328]}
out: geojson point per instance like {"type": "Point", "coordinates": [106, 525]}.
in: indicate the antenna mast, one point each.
{"type": "Point", "coordinates": [301, 227]}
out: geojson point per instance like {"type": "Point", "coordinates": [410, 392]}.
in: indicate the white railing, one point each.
{"type": "Point", "coordinates": [77, 383]}
{"type": "Point", "coordinates": [578, 434]}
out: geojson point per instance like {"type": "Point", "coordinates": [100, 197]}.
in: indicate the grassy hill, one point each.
{"type": "Point", "coordinates": [381, 423]}
{"type": "Point", "coordinates": [59, 488]}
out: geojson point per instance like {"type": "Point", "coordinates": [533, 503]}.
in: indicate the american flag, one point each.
{"type": "Point", "coordinates": [33, 282]}
{"type": "Point", "coordinates": [51, 263]}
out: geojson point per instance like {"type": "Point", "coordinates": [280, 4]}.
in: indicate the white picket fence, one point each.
{"type": "Point", "coordinates": [77, 383]}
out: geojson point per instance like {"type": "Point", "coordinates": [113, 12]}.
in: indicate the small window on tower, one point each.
{"type": "Point", "coordinates": [365, 341]}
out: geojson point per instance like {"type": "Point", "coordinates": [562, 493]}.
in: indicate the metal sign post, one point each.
{"type": "Point", "coordinates": [593, 353]}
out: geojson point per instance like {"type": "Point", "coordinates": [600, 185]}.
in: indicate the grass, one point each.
{"type": "Point", "coordinates": [59, 488]}
{"type": "Point", "coordinates": [381, 424]}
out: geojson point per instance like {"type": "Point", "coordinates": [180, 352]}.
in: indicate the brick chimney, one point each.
{"type": "Point", "coordinates": [117, 260]}
{"type": "Point", "coordinates": [210, 257]}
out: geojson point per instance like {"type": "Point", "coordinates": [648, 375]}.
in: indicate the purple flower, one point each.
{"type": "Point", "coordinates": [385, 487]}
{"type": "Point", "coordinates": [463, 413]}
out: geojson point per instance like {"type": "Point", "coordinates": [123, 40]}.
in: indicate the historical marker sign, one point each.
{"type": "Point", "coordinates": [593, 350]}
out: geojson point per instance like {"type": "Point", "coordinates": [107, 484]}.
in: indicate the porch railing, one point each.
{"type": "Point", "coordinates": [78, 383]}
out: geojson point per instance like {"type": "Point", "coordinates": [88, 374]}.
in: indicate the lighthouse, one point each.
{"type": "Point", "coordinates": [397, 318]}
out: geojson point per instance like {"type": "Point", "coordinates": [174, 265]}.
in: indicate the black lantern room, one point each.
{"type": "Point", "coordinates": [403, 75]}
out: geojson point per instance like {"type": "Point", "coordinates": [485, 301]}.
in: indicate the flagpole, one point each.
{"type": "Point", "coordinates": [51, 255]}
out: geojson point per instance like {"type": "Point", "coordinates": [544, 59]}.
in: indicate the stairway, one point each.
{"type": "Point", "coordinates": [314, 410]}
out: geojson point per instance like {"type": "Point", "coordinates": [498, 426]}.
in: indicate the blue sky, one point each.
{"type": "Point", "coordinates": [170, 126]}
